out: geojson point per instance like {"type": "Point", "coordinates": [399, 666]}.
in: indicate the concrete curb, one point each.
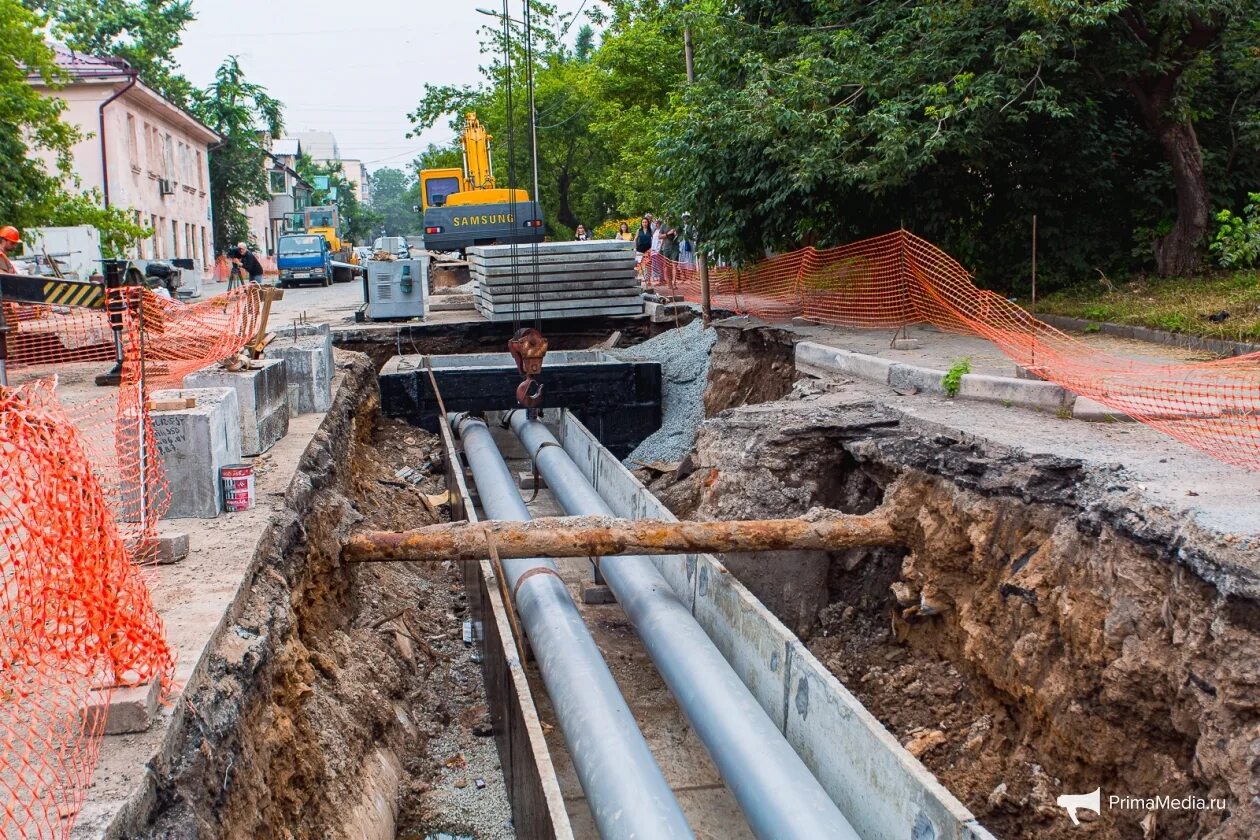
{"type": "Point", "coordinates": [820, 360]}
{"type": "Point", "coordinates": [1168, 339]}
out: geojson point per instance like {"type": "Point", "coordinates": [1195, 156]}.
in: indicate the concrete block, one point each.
{"type": "Point", "coordinates": [172, 547]}
{"type": "Point", "coordinates": [262, 394]}
{"type": "Point", "coordinates": [125, 709]}
{"type": "Point", "coordinates": [1028, 393]}
{"type": "Point", "coordinates": [194, 444]}
{"type": "Point", "coordinates": [525, 480]}
{"type": "Point", "coordinates": [308, 370]}
{"type": "Point", "coordinates": [907, 344]}
{"type": "Point", "coordinates": [911, 379]}
{"type": "Point", "coordinates": [1093, 411]}
{"type": "Point", "coordinates": [821, 360]}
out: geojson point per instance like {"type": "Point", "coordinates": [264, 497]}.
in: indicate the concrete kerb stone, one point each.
{"type": "Point", "coordinates": [912, 379]}
{"type": "Point", "coordinates": [262, 392]}
{"type": "Point", "coordinates": [194, 444]}
{"type": "Point", "coordinates": [1029, 393]}
{"type": "Point", "coordinates": [1092, 411]}
{"type": "Point", "coordinates": [822, 360]}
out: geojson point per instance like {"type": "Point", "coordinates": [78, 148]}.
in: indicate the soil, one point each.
{"type": "Point", "coordinates": [335, 683]}
{"type": "Point", "coordinates": [1042, 631]}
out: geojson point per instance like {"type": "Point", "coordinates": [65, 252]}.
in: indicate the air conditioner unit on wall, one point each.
{"type": "Point", "coordinates": [166, 187]}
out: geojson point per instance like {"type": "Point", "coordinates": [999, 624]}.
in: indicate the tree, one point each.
{"type": "Point", "coordinates": [240, 111]}
{"type": "Point", "coordinates": [146, 33]}
{"type": "Point", "coordinates": [394, 194]}
{"type": "Point", "coordinates": [30, 123]}
{"type": "Point", "coordinates": [1155, 49]}
{"type": "Point", "coordinates": [820, 122]}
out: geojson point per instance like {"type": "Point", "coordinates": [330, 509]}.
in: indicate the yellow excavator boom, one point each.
{"type": "Point", "coordinates": [478, 166]}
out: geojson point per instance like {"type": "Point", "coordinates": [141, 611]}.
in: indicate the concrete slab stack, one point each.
{"type": "Point", "coordinates": [568, 280]}
{"type": "Point", "coordinates": [262, 393]}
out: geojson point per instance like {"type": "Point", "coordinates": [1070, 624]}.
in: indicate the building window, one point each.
{"type": "Point", "coordinates": [157, 235]}
{"type": "Point", "coordinates": [133, 151]}
{"type": "Point", "coordinates": [201, 173]}
{"type": "Point", "coordinates": [168, 158]}
{"type": "Point", "coordinates": [277, 180]}
{"type": "Point", "coordinates": [174, 239]}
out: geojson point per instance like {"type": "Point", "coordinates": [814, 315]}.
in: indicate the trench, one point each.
{"type": "Point", "coordinates": [1032, 637]}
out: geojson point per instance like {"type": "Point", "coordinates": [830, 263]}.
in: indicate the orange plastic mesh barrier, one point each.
{"type": "Point", "coordinates": [898, 279]}
{"type": "Point", "coordinates": [76, 616]}
{"type": "Point", "coordinates": [173, 339]}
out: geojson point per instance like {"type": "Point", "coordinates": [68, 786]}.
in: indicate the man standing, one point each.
{"type": "Point", "coordinates": [249, 262]}
{"type": "Point", "coordinates": [10, 237]}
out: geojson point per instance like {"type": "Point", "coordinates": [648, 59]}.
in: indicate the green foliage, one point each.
{"type": "Point", "coordinates": [30, 122]}
{"type": "Point", "coordinates": [952, 380]}
{"type": "Point", "coordinates": [239, 110]}
{"type": "Point", "coordinates": [1237, 240]}
{"type": "Point", "coordinates": [144, 32]}
{"type": "Point", "coordinates": [117, 226]}
{"type": "Point", "coordinates": [823, 122]}
{"type": "Point", "coordinates": [394, 194]}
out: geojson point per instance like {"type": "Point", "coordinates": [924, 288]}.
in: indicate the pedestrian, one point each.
{"type": "Point", "coordinates": [659, 226]}
{"type": "Point", "coordinates": [624, 234]}
{"type": "Point", "coordinates": [580, 235]}
{"type": "Point", "coordinates": [643, 244]}
{"type": "Point", "coordinates": [669, 255]}
{"type": "Point", "coordinates": [10, 238]}
{"type": "Point", "coordinates": [248, 261]}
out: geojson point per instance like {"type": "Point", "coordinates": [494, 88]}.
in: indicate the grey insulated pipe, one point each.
{"type": "Point", "coordinates": [780, 798]}
{"type": "Point", "coordinates": [627, 793]}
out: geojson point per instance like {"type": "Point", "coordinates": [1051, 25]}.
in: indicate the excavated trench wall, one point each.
{"type": "Point", "coordinates": [1043, 630]}
{"type": "Point", "coordinates": [297, 727]}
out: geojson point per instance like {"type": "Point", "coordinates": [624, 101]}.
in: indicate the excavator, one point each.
{"type": "Point", "coordinates": [464, 207]}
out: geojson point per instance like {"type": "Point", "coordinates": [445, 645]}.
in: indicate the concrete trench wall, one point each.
{"type": "Point", "coordinates": [884, 791]}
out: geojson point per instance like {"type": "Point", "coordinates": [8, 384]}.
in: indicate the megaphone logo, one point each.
{"type": "Point", "coordinates": [1073, 801]}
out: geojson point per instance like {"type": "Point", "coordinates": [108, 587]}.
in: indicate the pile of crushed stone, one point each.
{"type": "Point", "coordinates": [684, 357]}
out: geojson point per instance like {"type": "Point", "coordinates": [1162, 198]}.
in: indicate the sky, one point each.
{"type": "Point", "coordinates": [353, 68]}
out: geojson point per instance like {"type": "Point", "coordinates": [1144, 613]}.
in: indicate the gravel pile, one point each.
{"type": "Point", "coordinates": [684, 357]}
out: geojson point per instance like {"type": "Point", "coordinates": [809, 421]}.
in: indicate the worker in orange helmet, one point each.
{"type": "Point", "coordinates": [10, 238]}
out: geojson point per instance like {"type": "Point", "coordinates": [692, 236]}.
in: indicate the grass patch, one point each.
{"type": "Point", "coordinates": [1191, 305]}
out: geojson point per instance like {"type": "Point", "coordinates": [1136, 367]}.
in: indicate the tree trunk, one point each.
{"type": "Point", "coordinates": [1181, 251]}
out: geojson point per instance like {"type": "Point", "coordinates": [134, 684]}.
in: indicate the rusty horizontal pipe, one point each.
{"type": "Point", "coordinates": [605, 536]}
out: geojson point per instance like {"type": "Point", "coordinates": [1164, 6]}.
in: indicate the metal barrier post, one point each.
{"type": "Point", "coordinates": [115, 305]}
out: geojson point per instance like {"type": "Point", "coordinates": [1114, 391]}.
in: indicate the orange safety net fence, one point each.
{"type": "Point", "coordinates": [76, 619]}
{"type": "Point", "coordinates": [81, 491]}
{"type": "Point", "coordinates": [899, 279]}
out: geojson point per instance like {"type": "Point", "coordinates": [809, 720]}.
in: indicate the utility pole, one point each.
{"type": "Point", "coordinates": [702, 263]}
